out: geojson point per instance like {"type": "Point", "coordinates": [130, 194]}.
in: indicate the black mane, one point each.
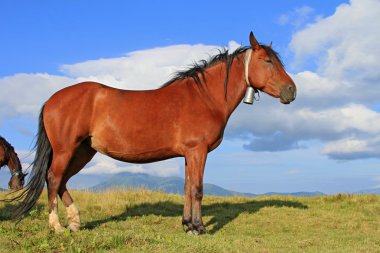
{"type": "Point", "coordinates": [201, 66]}
{"type": "Point", "coordinates": [224, 57]}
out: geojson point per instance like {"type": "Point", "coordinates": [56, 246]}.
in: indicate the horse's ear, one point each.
{"type": "Point", "coordinates": [270, 45]}
{"type": "Point", "coordinates": [254, 44]}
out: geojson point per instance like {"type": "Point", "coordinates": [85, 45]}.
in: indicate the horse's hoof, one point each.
{"type": "Point", "coordinates": [200, 230]}
{"type": "Point", "coordinates": [190, 232]}
{"type": "Point", "coordinates": [187, 227]}
{"type": "Point", "coordinates": [58, 229]}
{"type": "Point", "coordinates": [193, 232]}
{"type": "Point", "coordinates": [74, 227]}
{"type": "Point", "coordinates": [196, 231]}
{"type": "Point", "coordinates": [192, 229]}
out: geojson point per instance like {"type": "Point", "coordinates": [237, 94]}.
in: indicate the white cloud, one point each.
{"type": "Point", "coordinates": [109, 166]}
{"type": "Point", "coordinates": [346, 146]}
{"type": "Point", "coordinates": [339, 120]}
{"type": "Point", "coordinates": [105, 165]}
{"type": "Point", "coordinates": [293, 172]}
{"type": "Point", "coordinates": [315, 88]}
{"type": "Point", "coordinates": [139, 70]}
{"type": "Point", "coordinates": [345, 43]}
{"type": "Point", "coordinates": [336, 102]}
{"type": "Point", "coordinates": [297, 17]}
{"type": "Point", "coordinates": [353, 149]}
{"type": "Point", "coordinates": [377, 180]}
{"type": "Point", "coordinates": [25, 93]}
{"type": "Point", "coordinates": [288, 126]}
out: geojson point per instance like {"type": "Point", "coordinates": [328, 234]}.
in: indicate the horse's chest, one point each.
{"type": "Point", "coordinates": [2, 158]}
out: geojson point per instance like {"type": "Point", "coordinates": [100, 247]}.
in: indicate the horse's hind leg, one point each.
{"type": "Point", "coordinates": [59, 163]}
{"type": "Point", "coordinates": [81, 157]}
{"type": "Point", "coordinates": [71, 209]}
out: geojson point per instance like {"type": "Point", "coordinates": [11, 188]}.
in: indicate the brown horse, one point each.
{"type": "Point", "coordinates": [9, 157]}
{"type": "Point", "coordinates": [186, 117]}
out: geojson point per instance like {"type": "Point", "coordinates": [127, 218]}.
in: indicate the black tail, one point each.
{"type": "Point", "coordinates": [41, 164]}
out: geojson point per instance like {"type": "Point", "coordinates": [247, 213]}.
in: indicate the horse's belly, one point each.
{"type": "Point", "coordinates": [146, 157]}
{"type": "Point", "coordinates": [132, 152]}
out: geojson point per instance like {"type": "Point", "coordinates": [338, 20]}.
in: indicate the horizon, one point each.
{"type": "Point", "coordinates": [327, 140]}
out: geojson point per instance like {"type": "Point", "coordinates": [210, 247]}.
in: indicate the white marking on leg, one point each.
{"type": "Point", "coordinates": [73, 217]}
{"type": "Point", "coordinates": [54, 219]}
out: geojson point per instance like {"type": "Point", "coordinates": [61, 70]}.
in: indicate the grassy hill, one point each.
{"type": "Point", "coordinates": [146, 221]}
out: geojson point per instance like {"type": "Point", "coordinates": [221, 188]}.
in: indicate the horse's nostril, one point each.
{"type": "Point", "coordinates": [292, 90]}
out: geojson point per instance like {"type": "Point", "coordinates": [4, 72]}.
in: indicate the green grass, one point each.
{"type": "Point", "coordinates": [146, 221]}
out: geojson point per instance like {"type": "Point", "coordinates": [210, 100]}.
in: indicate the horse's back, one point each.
{"type": "Point", "coordinates": [76, 91]}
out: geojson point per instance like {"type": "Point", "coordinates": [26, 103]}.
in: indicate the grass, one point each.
{"type": "Point", "coordinates": [146, 221]}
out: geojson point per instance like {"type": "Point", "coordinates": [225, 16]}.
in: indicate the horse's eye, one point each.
{"type": "Point", "coordinates": [267, 60]}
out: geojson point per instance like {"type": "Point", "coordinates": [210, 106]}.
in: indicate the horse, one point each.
{"type": "Point", "coordinates": [9, 157]}
{"type": "Point", "coordinates": [185, 117]}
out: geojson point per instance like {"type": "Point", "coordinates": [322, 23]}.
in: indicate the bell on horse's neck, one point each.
{"type": "Point", "coordinates": [249, 95]}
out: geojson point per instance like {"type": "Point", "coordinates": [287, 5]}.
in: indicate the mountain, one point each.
{"type": "Point", "coordinates": [166, 184]}
{"type": "Point", "coordinates": [369, 191]}
{"type": "Point", "coordinates": [296, 194]}
{"type": "Point", "coordinates": [175, 185]}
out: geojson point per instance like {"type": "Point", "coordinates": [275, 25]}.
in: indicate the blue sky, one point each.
{"type": "Point", "coordinates": [40, 36]}
{"type": "Point", "coordinates": [327, 140]}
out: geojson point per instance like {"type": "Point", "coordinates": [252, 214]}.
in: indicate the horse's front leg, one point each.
{"type": "Point", "coordinates": [186, 218]}
{"type": "Point", "coordinates": [195, 163]}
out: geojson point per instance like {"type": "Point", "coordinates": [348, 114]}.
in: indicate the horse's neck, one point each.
{"type": "Point", "coordinates": [237, 84]}
{"type": "Point", "coordinates": [12, 161]}
{"type": "Point", "coordinates": [215, 77]}
{"type": "Point", "coordinates": [2, 156]}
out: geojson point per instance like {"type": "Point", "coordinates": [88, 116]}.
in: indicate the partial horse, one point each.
{"type": "Point", "coordinates": [9, 157]}
{"type": "Point", "coordinates": [185, 117]}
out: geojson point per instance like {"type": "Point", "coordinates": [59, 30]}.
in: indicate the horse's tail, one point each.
{"type": "Point", "coordinates": [41, 164]}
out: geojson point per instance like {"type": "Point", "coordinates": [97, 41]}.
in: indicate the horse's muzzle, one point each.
{"type": "Point", "coordinates": [288, 94]}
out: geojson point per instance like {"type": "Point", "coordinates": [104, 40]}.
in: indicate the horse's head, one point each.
{"type": "Point", "coordinates": [9, 157]}
{"type": "Point", "coordinates": [265, 72]}
{"type": "Point", "coordinates": [17, 180]}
